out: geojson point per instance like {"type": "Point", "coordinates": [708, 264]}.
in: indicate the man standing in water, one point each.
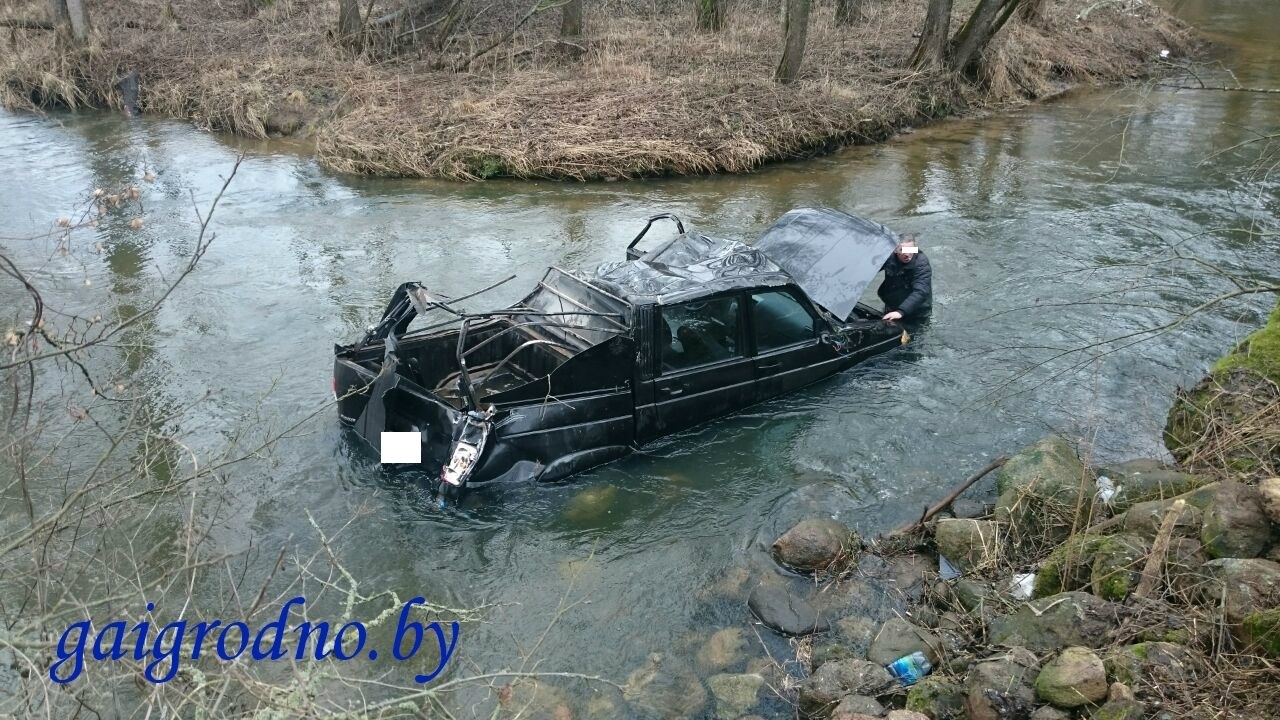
{"type": "Point", "coordinates": [907, 290]}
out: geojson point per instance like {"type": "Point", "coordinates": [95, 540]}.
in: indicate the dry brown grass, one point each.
{"type": "Point", "coordinates": [641, 94]}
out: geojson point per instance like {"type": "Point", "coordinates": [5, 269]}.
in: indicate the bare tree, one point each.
{"type": "Point", "coordinates": [710, 14]}
{"type": "Point", "coordinates": [795, 28]}
{"type": "Point", "coordinates": [571, 19]}
{"type": "Point", "coordinates": [931, 51]}
{"type": "Point", "coordinates": [976, 33]}
{"type": "Point", "coordinates": [349, 25]}
{"type": "Point", "coordinates": [850, 12]}
{"type": "Point", "coordinates": [71, 19]}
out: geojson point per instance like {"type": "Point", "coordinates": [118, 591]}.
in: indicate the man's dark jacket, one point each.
{"type": "Point", "coordinates": [907, 287]}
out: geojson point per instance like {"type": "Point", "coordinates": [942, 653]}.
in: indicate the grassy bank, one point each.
{"type": "Point", "coordinates": [640, 93]}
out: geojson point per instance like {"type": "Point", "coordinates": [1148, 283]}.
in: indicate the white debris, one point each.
{"type": "Point", "coordinates": [1106, 490]}
{"type": "Point", "coordinates": [1164, 53]}
{"type": "Point", "coordinates": [1021, 585]}
{"type": "Point", "coordinates": [945, 569]}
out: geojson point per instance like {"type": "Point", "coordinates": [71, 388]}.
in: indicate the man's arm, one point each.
{"type": "Point", "coordinates": [921, 290]}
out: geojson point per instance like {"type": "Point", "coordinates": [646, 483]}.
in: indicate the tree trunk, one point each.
{"type": "Point", "coordinates": [349, 23]}
{"type": "Point", "coordinates": [850, 12]}
{"type": "Point", "coordinates": [571, 19]}
{"type": "Point", "coordinates": [710, 14]}
{"type": "Point", "coordinates": [80, 27]}
{"type": "Point", "coordinates": [60, 16]}
{"type": "Point", "coordinates": [977, 31]}
{"type": "Point", "coordinates": [795, 27]}
{"type": "Point", "coordinates": [1033, 11]}
{"type": "Point", "coordinates": [931, 51]}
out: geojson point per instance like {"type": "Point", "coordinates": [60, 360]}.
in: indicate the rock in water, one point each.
{"type": "Point", "coordinates": [1042, 488]}
{"type": "Point", "coordinates": [1076, 677]}
{"type": "Point", "coordinates": [898, 638]}
{"type": "Point", "coordinates": [936, 698]}
{"type": "Point", "coordinates": [814, 544]}
{"type": "Point", "coordinates": [968, 544]}
{"type": "Point", "coordinates": [1234, 524]}
{"type": "Point", "coordinates": [822, 690]}
{"type": "Point", "coordinates": [1059, 621]}
{"type": "Point", "coordinates": [722, 650]}
{"type": "Point", "coordinates": [1241, 586]}
{"type": "Point", "coordinates": [734, 694]}
{"type": "Point", "coordinates": [784, 611]}
{"type": "Point", "coordinates": [998, 688]}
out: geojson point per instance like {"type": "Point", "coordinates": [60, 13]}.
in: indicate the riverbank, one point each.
{"type": "Point", "coordinates": [1069, 590]}
{"type": "Point", "coordinates": [640, 93]}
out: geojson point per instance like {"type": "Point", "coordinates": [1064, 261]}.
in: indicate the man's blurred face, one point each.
{"type": "Point", "coordinates": [906, 251]}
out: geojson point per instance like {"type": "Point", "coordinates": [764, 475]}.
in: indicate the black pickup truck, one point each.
{"type": "Point", "coordinates": [588, 366]}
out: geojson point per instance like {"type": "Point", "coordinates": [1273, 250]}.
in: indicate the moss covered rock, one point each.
{"type": "Point", "coordinates": [1241, 586]}
{"type": "Point", "coordinates": [1068, 567]}
{"type": "Point", "coordinates": [1117, 565]}
{"type": "Point", "coordinates": [1261, 631]}
{"type": "Point", "coordinates": [1058, 621]}
{"type": "Point", "coordinates": [1144, 519]}
{"type": "Point", "coordinates": [968, 544]}
{"type": "Point", "coordinates": [1234, 524]}
{"type": "Point", "coordinates": [1143, 480]}
{"type": "Point", "coordinates": [937, 698]}
{"type": "Point", "coordinates": [1152, 662]}
{"type": "Point", "coordinates": [1044, 489]}
{"type": "Point", "coordinates": [1075, 678]}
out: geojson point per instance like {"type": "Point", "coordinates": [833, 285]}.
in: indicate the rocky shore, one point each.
{"type": "Point", "coordinates": [1123, 591]}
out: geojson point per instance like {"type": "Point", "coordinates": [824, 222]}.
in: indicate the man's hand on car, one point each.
{"type": "Point", "coordinates": [891, 316]}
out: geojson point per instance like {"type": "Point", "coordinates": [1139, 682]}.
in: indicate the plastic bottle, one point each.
{"type": "Point", "coordinates": [909, 669]}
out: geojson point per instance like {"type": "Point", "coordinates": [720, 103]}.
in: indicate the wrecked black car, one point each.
{"type": "Point", "coordinates": [587, 367]}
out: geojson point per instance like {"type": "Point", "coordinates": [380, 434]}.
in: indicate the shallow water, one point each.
{"type": "Point", "coordinates": [1009, 208]}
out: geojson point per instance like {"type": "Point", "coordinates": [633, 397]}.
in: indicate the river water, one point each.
{"type": "Point", "coordinates": [1032, 219]}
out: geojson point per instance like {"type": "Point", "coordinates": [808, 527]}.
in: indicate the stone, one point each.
{"type": "Point", "coordinates": [781, 609]}
{"type": "Point", "coordinates": [1117, 566]}
{"type": "Point", "coordinates": [1184, 563]}
{"type": "Point", "coordinates": [1043, 489]}
{"type": "Point", "coordinates": [722, 650]}
{"type": "Point", "coordinates": [734, 694]}
{"type": "Point", "coordinates": [1068, 567]}
{"type": "Point", "coordinates": [969, 509]}
{"type": "Point", "coordinates": [823, 690]}
{"type": "Point", "coordinates": [898, 638]}
{"type": "Point", "coordinates": [1152, 663]}
{"type": "Point", "coordinates": [857, 630]}
{"type": "Point", "coordinates": [1269, 491]}
{"type": "Point", "coordinates": [1121, 705]}
{"type": "Point", "coordinates": [1049, 712]}
{"type": "Point", "coordinates": [968, 544]}
{"type": "Point", "coordinates": [1260, 632]}
{"type": "Point", "coordinates": [830, 652]}
{"type": "Point", "coordinates": [853, 705]}
{"type": "Point", "coordinates": [999, 688]}
{"type": "Point", "coordinates": [1144, 480]}
{"type": "Point", "coordinates": [973, 596]}
{"type": "Point", "coordinates": [905, 715]}
{"type": "Point", "coordinates": [1074, 678]}
{"type": "Point", "coordinates": [1240, 587]}
{"type": "Point", "coordinates": [1234, 524]}
{"type": "Point", "coordinates": [1144, 519]}
{"type": "Point", "coordinates": [815, 544]}
{"type": "Point", "coordinates": [937, 698]}
{"type": "Point", "coordinates": [662, 686]}
{"type": "Point", "coordinates": [1059, 621]}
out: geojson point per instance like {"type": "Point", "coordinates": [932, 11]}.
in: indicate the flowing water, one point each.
{"type": "Point", "coordinates": [1029, 218]}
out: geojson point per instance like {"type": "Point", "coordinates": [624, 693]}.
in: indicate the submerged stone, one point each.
{"type": "Point", "coordinates": [783, 610]}
{"type": "Point", "coordinates": [722, 650]}
{"type": "Point", "coordinates": [734, 694]}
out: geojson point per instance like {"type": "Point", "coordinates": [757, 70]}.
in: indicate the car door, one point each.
{"type": "Point", "coordinates": [786, 334]}
{"type": "Point", "coordinates": [702, 369]}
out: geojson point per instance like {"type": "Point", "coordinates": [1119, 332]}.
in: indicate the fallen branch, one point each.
{"type": "Point", "coordinates": [1160, 548]}
{"type": "Point", "coordinates": [946, 501]}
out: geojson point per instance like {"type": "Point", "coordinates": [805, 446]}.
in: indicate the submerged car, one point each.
{"type": "Point", "coordinates": [587, 367]}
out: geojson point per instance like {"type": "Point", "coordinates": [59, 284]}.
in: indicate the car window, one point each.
{"type": "Point", "coordinates": [780, 320]}
{"type": "Point", "coordinates": [697, 333]}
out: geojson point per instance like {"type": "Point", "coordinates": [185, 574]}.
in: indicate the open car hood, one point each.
{"type": "Point", "coordinates": [832, 256]}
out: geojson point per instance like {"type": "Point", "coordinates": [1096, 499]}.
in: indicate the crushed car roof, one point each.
{"type": "Point", "coordinates": [831, 255]}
